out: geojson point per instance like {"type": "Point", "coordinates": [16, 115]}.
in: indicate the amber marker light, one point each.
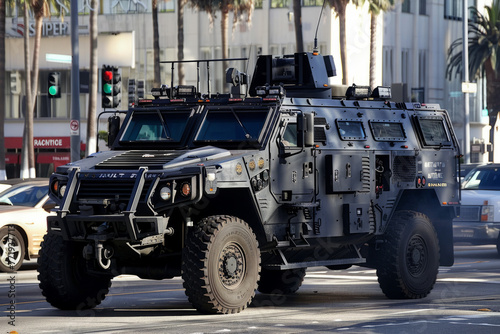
{"type": "Point", "coordinates": [185, 189]}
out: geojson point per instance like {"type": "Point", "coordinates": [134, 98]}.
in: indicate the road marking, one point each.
{"type": "Point", "coordinates": [468, 280]}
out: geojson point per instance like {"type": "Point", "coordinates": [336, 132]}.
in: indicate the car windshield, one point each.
{"type": "Point", "coordinates": [232, 125]}
{"type": "Point", "coordinates": [23, 195]}
{"type": "Point", "coordinates": [483, 179]}
{"type": "Point", "coordinates": [156, 126]}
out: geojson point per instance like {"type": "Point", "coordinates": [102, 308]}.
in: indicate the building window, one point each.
{"type": "Point", "coordinates": [422, 7]}
{"type": "Point", "coordinates": [453, 8]}
{"type": "Point", "coordinates": [312, 3]}
{"type": "Point", "coordinates": [406, 6]}
{"type": "Point", "coordinates": [405, 65]}
{"type": "Point", "coordinates": [257, 4]}
{"type": "Point", "coordinates": [165, 6]}
{"type": "Point", "coordinates": [280, 3]}
{"type": "Point", "coordinates": [387, 76]}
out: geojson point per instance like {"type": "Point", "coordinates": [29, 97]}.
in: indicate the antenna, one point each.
{"type": "Point", "coordinates": [315, 48]}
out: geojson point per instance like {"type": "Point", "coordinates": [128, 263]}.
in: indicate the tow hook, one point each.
{"type": "Point", "coordinates": [103, 254]}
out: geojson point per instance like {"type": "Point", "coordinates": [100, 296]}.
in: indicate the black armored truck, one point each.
{"type": "Point", "coordinates": [243, 191]}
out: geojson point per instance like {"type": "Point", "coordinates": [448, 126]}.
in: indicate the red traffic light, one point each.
{"type": "Point", "coordinates": [107, 75]}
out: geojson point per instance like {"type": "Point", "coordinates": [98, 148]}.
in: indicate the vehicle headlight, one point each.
{"type": "Point", "coordinates": [165, 193]}
{"type": "Point", "coordinates": [58, 188]}
{"type": "Point", "coordinates": [62, 190]}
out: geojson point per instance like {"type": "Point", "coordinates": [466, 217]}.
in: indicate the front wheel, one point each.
{"type": "Point", "coordinates": [63, 277]}
{"type": "Point", "coordinates": [408, 261]}
{"type": "Point", "coordinates": [221, 265]}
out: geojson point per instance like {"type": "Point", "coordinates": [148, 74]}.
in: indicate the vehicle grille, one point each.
{"type": "Point", "coordinates": [469, 213]}
{"type": "Point", "coordinates": [120, 191]}
{"type": "Point", "coordinates": [136, 159]}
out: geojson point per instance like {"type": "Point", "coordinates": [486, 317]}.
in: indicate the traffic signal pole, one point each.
{"type": "Point", "coordinates": [75, 85]}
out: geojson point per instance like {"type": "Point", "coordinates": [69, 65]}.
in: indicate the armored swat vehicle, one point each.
{"type": "Point", "coordinates": [243, 191]}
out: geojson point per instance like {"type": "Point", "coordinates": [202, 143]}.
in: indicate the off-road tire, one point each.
{"type": "Point", "coordinates": [12, 249]}
{"type": "Point", "coordinates": [221, 265]}
{"type": "Point", "coordinates": [63, 278]}
{"type": "Point", "coordinates": [281, 282]}
{"type": "Point", "coordinates": [408, 261]}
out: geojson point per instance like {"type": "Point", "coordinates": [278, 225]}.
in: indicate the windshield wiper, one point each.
{"type": "Point", "coordinates": [247, 135]}
{"type": "Point", "coordinates": [164, 125]}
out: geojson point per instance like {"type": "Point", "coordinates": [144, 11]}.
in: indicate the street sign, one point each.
{"type": "Point", "coordinates": [469, 87]}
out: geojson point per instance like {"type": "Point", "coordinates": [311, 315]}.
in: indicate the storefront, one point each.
{"type": "Point", "coordinates": [50, 152]}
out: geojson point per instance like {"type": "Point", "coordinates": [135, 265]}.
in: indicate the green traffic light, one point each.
{"type": "Point", "coordinates": [53, 90]}
{"type": "Point", "coordinates": [107, 88]}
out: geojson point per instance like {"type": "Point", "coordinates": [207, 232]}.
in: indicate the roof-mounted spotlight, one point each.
{"type": "Point", "coordinates": [358, 92]}
{"type": "Point", "coordinates": [185, 91]}
{"type": "Point", "coordinates": [159, 92]}
{"type": "Point", "coordinates": [382, 93]}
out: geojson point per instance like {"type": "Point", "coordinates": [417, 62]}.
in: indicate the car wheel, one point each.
{"type": "Point", "coordinates": [64, 279]}
{"type": "Point", "coordinates": [12, 249]}
{"type": "Point", "coordinates": [408, 260]}
{"type": "Point", "coordinates": [221, 265]}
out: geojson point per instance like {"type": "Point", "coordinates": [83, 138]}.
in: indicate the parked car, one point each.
{"type": "Point", "coordinates": [479, 218]}
{"type": "Point", "coordinates": [24, 208]}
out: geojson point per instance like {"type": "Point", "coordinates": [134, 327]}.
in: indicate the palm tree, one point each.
{"type": "Point", "coordinates": [224, 6]}
{"type": "Point", "coordinates": [484, 54]}
{"type": "Point", "coordinates": [28, 152]}
{"type": "Point", "coordinates": [2, 90]}
{"type": "Point", "coordinates": [180, 39]}
{"type": "Point", "coordinates": [339, 6]}
{"type": "Point", "coordinates": [375, 7]}
{"type": "Point", "coordinates": [156, 46]}
{"type": "Point", "coordinates": [297, 19]}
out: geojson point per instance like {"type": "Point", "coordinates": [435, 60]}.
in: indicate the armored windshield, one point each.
{"type": "Point", "coordinates": [232, 125]}
{"type": "Point", "coordinates": [156, 126]}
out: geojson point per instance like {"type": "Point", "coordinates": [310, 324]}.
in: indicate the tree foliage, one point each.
{"type": "Point", "coordinates": [484, 45]}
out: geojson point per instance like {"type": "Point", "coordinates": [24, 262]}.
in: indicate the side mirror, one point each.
{"type": "Point", "coordinates": [49, 205]}
{"type": "Point", "coordinates": [305, 130]}
{"type": "Point", "coordinates": [113, 129]}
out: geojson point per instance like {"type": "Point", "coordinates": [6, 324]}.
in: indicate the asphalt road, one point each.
{"type": "Point", "coordinates": [465, 299]}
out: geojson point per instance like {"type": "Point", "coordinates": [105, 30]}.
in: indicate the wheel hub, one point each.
{"type": "Point", "coordinates": [231, 265]}
{"type": "Point", "coordinates": [10, 251]}
{"type": "Point", "coordinates": [416, 256]}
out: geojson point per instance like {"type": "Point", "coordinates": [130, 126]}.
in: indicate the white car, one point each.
{"type": "Point", "coordinates": [479, 218]}
{"type": "Point", "coordinates": [23, 222]}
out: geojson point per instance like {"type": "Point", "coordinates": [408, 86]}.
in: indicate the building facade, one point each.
{"type": "Point", "coordinates": [412, 42]}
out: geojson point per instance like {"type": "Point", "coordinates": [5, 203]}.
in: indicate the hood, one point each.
{"type": "Point", "coordinates": [477, 197]}
{"type": "Point", "coordinates": [159, 159]}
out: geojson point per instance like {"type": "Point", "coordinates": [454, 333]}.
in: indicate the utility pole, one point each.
{"type": "Point", "coordinates": [75, 85]}
{"type": "Point", "coordinates": [465, 76]}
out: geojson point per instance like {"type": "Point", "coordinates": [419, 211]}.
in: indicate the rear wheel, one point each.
{"type": "Point", "coordinates": [221, 265]}
{"type": "Point", "coordinates": [282, 282]}
{"type": "Point", "coordinates": [12, 249]}
{"type": "Point", "coordinates": [63, 277]}
{"type": "Point", "coordinates": [408, 262]}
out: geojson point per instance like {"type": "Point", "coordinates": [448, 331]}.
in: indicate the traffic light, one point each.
{"type": "Point", "coordinates": [54, 84]}
{"type": "Point", "coordinates": [111, 87]}
{"type": "Point", "coordinates": [131, 91]}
